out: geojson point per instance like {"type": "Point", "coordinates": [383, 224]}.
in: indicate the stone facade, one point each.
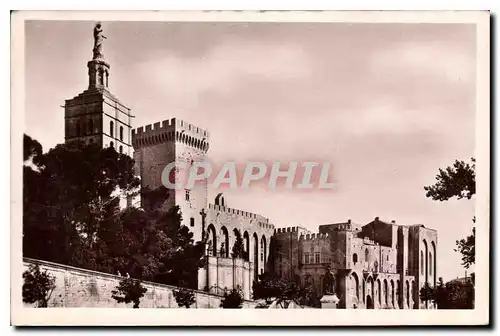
{"type": "Point", "coordinates": [422, 261]}
{"type": "Point", "coordinates": [378, 265]}
{"type": "Point", "coordinates": [75, 287]}
{"type": "Point", "coordinates": [224, 225]}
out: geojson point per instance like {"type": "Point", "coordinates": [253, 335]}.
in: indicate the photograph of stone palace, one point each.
{"type": "Point", "coordinates": [382, 264]}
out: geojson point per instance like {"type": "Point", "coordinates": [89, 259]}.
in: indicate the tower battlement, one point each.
{"type": "Point", "coordinates": [262, 221]}
{"type": "Point", "coordinates": [290, 229]}
{"type": "Point", "coordinates": [314, 236]}
{"type": "Point", "coordinates": [170, 130]}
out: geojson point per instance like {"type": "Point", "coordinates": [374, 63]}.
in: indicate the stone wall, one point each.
{"type": "Point", "coordinates": [77, 287]}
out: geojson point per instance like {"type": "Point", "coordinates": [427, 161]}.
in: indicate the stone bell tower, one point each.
{"type": "Point", "coordinates": [96, 115]}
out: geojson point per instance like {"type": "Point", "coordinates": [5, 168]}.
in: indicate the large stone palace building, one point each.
{"type": "Point", "coordinates": [377, 265]}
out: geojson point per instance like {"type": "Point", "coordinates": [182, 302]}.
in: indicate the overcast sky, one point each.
{"type": "Point", "coordinates": [386, 104]}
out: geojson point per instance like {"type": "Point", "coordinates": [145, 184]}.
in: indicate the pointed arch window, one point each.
{"type": "Point", "coordinates": [430, 263]}
{"type": "Point", "coordinates": [379, 289]}
{"type": "Point", "coordinates": [356, 285]}
{"type": "Point", "coordinates": [111, 128]}
{"type": "Point", "coordinates": [364, 290]}
{"type": "Point", "coordinates": [392, 293]}
{"type": "Point", "coordinates": [91, 126]}
{"type": "Point", "coordinates": [422, 262]}
{"type": "Point", "coordinates": [408, 293]}
{"type": "Point", "coordinates": [78, 128]}
{"type": "Point", "coordinates": [263, 249]}
{"type": "Point", "coordinates": [386, 292]}
{"type": "Point", "coordinates": [101, 77]}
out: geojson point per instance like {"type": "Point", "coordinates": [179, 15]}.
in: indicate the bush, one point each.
{"type": "Point", "coordinates": [184, 297]}
{"type": "Point", "coordinates": [451, 295]}
{"type": "Point", "coordinates": [38, 286]}
{"type": "Point", "coordinates": [262, 305]}
{"type": "Point", "coordinates": [233, 299]}
{"type": "Point", "coordinates": [129, 290]}
{"type": "Point", "coordinates": [271, 288]}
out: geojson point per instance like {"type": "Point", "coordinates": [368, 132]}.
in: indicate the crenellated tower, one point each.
{"type": "Point", "coordinates": [158, 145]}
{"type": "Point", "coordinates": [288, 251]}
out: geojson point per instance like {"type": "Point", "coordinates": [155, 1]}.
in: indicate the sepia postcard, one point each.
{"type": "Point", "coordinates": [238, 168]}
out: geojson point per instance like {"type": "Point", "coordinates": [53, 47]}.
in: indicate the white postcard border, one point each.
{"type": "Point", "coordinates": [253, 317]}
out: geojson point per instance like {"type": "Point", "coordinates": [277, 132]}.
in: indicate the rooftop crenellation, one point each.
{"type": "Point", "coordinates": [262, 221]}
{"type": "Point", "coordinates": [290, 229]}
{"type": "Point", "coordinates": [314, 236]}
{"type": "Point", "coordinates": [169, 130]}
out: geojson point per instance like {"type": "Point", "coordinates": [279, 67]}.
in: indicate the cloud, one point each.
{"type": "Point", "coordinates": [390, 117]}
{"type": "Point", "coordinates": [414, 87]}
{"type": "Point", "coordinates": [434, 59]}
{"type": "Point", "coordinates": [222, 68]}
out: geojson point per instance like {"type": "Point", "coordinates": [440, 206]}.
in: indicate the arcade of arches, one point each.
{"type": "Point", "coordinates": [380, 292]}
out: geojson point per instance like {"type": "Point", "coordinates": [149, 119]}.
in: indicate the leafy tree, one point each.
{"type": "Point", "coordinates": [458, 296]}
{"type": "Point", "coordinates": [269, 288]}
{"type": "Point", "coordinates": [467, 248]}
{"type": "Point", "coordinates": [132, 245]}
{"type": "Point", "coordinates": [38, 286]}
{"type": "Point", "coordinates": [181, 264]}
{"type": "Point", "coordinates": [184, 297]}
{"type": "Point", "coordinates": [129, 290]}
{"type": "Point", "coordinates": [427, 293]}
{"type": "Point", "coordinates": [309, 297]}
{"type": "Point", "coordinates": [232, 299]}
{"type": "Point", "coordinates": [71, 215]}
{"type": "Point", "coordinates": [452, 295]}
{"type": "Point", "coordinates": [67, 193]}
{"type": "Point", "coordinates": [238, 248]}
{"type": "Point", "coordinates": [440, 294]}
{"type": "Point", "coordinates": [457, 181]}
{"type": "Point", "coordinates": [284, 291]}
{"type": "Point", "coordinates": [32, 151]}
{"type": "Point", "coordinates": [151, 246]}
